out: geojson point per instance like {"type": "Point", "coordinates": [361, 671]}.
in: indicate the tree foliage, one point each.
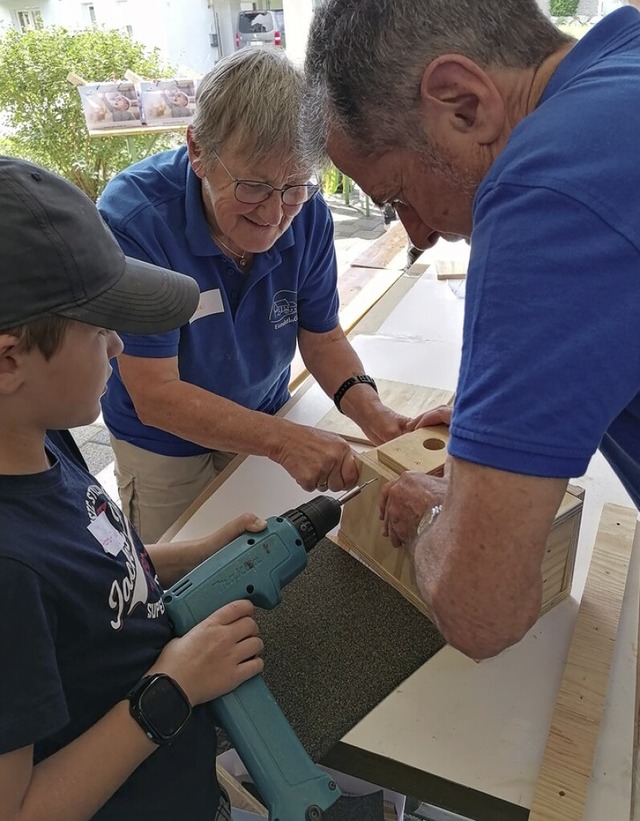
{"type": "Point", "coordinates": [43, 112]}
{"type": "Point", "coordinates": [563, 8]}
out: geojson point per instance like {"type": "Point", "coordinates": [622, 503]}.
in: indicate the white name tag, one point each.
{"type": "Point", "coordinates": [210, 303]}
{"type": "Point", "coordinates": [103, 531]}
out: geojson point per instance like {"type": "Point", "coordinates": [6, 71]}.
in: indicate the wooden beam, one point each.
{"type": "Point", "coordinates": [563, 781]}
{"type": "Point", "coordinates": [240, 798]}
{"type": "Point", "coordinates": [384, 251]}
{"type": "Point", "coordinates": [635, 756]}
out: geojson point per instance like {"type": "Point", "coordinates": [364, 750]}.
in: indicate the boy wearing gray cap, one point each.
{"type": "Point", "coordinates": [103, 714]}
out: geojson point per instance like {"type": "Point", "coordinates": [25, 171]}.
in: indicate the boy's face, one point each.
{"type": "Point", "coordinates": [65, 391]}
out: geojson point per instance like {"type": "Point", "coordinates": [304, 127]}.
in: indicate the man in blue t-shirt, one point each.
{"type": "Point", "coordinates": [102, 713]}
{"type": "Point", "coordinates": [483, 120]}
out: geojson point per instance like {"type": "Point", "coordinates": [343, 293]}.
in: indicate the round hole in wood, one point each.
{"type": "Point", "coordinates": [433, 444]}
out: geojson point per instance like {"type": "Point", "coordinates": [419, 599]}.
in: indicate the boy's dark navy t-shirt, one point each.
{"type": "Point", "coordinates": [82, 620]}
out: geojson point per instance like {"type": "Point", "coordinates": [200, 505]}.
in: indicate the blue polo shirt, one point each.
{"type": "Point", "coordinates": [551, 353]}
{"type": "Point", "coordinates": [242, 338]}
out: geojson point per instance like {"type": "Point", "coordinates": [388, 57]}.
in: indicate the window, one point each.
{"type": "Point", "coordinates": [28, 19]}
{"type": "Point", "coordinates": [255, 22]}
{"type": "Point", "coordinates": [89, 14]}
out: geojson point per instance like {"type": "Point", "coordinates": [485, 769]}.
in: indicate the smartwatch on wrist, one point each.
{"type": "Point", "coordinates": [160, 706]}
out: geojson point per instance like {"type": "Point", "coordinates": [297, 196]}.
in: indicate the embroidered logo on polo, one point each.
{"type": "Point", "coordinates": [284, 308]}
{"type": "Point", "coordinates": [111, 529]}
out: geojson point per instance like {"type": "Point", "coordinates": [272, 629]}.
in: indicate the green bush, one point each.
{"type": "Point", "coordinates": [563, 8]}
{"type": "Point", "coordinates": [43, 112]}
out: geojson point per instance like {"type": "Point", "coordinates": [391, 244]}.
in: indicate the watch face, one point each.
{"type": "Point", "coordinates": [164, 708]}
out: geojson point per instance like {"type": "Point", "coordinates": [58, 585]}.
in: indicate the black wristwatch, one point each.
{"type": "Point", "coordinates": [160, 706]}
{"type": "Point", "coordinates": [362, 378]}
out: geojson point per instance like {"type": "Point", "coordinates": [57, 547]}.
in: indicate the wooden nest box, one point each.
{"type": "Point", "coordinates": [425, 450]}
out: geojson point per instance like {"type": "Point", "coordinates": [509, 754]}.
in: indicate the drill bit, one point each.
{"type": "Point", "coordinates": [355, 491]}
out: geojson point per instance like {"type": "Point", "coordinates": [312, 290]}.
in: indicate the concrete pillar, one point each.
{"type": "Point", "coordinates": [297, 19]}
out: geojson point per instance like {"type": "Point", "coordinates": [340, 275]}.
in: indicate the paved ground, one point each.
{"type": "Point", "coordinates": [353, 233]}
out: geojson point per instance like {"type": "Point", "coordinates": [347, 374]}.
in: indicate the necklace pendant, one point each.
{"type": "Point", "coordinates": [242, 262]}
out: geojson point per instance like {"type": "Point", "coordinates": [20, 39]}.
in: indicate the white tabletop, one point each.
{"type": "Point", "coordinates": [483, 725]}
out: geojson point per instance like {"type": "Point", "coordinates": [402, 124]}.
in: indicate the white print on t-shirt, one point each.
{"type": "Point", "coordinates": [284, 308]}
{"type": "Point", "coordinates": [133, 588]}
{"type": "Point", "coordinates": [210, 303]}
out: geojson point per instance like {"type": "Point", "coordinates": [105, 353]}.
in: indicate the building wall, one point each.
{"type": "Point", "coordinates": [297, 16]}
{"type": "Point", "coordinates": [181, 29]}
{"type": "Point", "coordinates": [226, 13]}
{"type": "Point", "coordinates": [49, 11]}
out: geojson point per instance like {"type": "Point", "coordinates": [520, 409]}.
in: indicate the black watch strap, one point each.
{"type": "Point", "coordinates": [160, 706]}
{"type": "Point", "coordinates": [362, 378]}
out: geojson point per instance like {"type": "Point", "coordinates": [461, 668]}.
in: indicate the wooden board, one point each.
{"type": "Point", "coordinates": [424, 449]}
{"type": "Point", "coordinates": [451, 268]}
{"type": "Point", "coordinates": [411, 400]}
{"type": "Point", "coordinates": [240, 798]}
{"type": "Point", "coordinates": [563, 781]}
{"type": "Point", "coordinates": [388, 251]}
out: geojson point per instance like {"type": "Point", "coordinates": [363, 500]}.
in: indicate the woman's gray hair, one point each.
{"type": "Point", "coordinates": [365, 59]}
{"type": "Point", "coordinates": [254, 97]}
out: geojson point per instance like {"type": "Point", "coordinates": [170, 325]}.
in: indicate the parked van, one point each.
{"type": "Point", "coordinates": [260, 28]}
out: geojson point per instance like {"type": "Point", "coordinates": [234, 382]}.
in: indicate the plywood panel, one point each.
{"type": "Point", "coordinates": [563, 782]}
{"type": "Point", "coordinates": [411, 400]}
{"type": "Point", "coordinates": [424, 449]}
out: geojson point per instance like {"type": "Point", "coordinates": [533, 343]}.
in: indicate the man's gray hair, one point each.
{"type": "Point", "coordinates": [254, 98]}
{"type": "Point", "coordinates": [365, 59]}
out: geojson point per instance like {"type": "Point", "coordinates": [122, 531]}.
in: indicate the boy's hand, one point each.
{"type": "Point", "coordinates": [215, 656]}
{"type": "Point", "coordinates": [173, 560]}
{"type": "Point", "coordinates": [219, 538]}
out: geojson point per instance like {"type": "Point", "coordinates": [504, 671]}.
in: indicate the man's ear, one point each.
{"type": "Point", "coordinates": [193, 149]}
{"type": "Point", "coordinates": [460, 96]}
{"type": "Point", "coordinates": [11, 376]}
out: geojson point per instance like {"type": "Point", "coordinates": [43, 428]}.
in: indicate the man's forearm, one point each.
{"type": "Point", "coordinates": [474, 615]}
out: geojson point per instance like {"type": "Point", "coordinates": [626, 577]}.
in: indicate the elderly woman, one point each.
{"type": "Point", "coordinates": [235, 210]}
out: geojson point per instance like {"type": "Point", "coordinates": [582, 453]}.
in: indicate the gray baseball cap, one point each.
{"type": "Point", "coordinates": [57, 256]}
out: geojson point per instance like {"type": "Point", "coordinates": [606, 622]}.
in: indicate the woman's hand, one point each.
{"type": "Point", "coordinates": [383, 424]}
{"type": "Point", "coordinates": [316, 459]}
{"type": "Point", "coordinates": [216, 655]}
{"type": "Point", "coordinates": [437, 416]}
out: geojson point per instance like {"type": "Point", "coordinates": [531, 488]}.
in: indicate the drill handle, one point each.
{"type": "Point", "coordinates": [289, 782]}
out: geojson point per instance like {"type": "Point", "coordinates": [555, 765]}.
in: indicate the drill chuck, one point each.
{"type": "Point", "coordinates": [314, 519]}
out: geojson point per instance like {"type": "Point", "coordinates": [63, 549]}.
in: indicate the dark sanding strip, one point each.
{"type": "Point", "coordinates": [341, 640]}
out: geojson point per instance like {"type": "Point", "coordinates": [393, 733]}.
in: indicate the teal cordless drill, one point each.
{"type": "Point", "coordinates": [256, 566]}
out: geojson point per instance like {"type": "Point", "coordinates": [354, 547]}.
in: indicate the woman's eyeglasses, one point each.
{"type": "Point", "coordinates": [251, 192]}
